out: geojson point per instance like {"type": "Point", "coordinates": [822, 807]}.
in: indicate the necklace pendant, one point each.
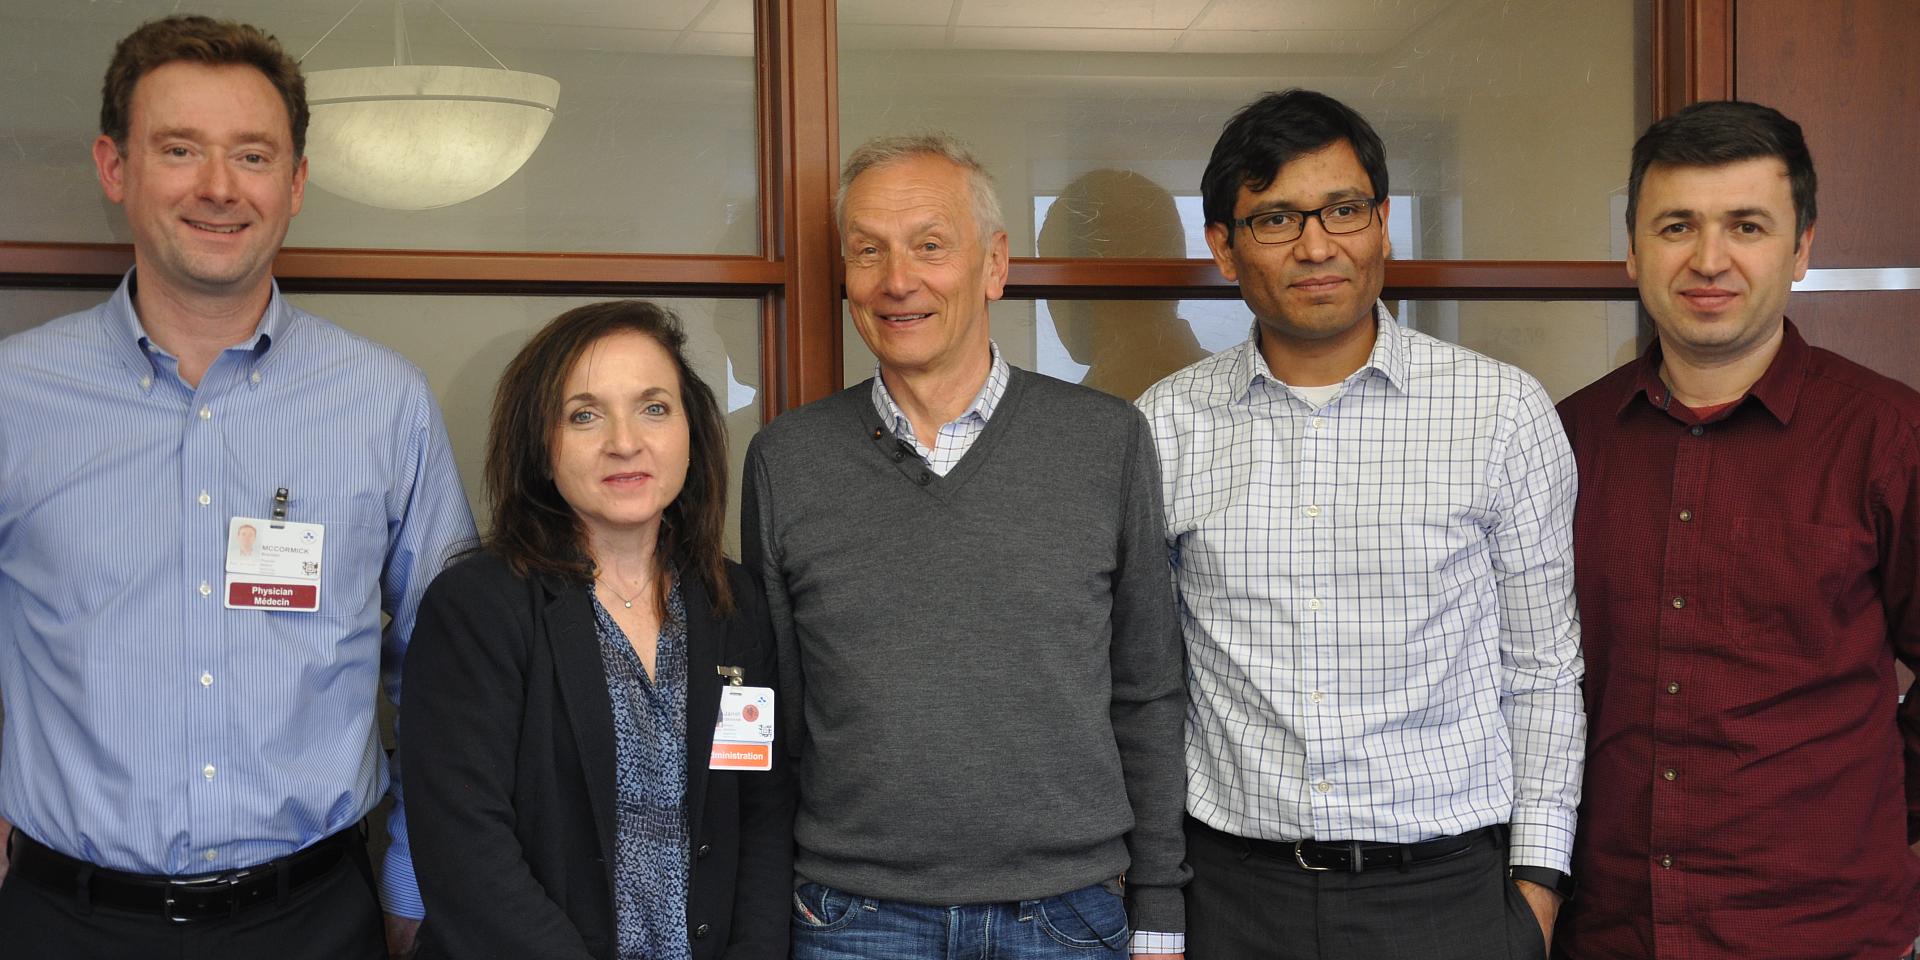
{"type": "Point", "coordinates": [629, 604]}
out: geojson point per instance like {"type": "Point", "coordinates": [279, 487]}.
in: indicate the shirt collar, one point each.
{"type": "Point", "coordinates": [137, 350]}
{"type": "Point", "coordinates": [1389, 354]}
{"type": "Point", "coordinates": [984, 402]}
{"type": "Point", "coordinates": [1778, 389]}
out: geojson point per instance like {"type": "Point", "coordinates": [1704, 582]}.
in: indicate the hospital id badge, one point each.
{"type": "Point", "coordinates": [743, 737]}
{"type": "Point", "coordinates": [273, 565]}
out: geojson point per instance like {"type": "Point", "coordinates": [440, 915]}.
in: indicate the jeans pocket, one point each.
{"type": "Point", "coordinates": [1090, 918]}
{"type": "Point", "coordinates": [822, 908]}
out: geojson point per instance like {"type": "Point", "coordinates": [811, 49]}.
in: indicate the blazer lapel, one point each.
{"type": "Point", "coordinates": [703, 694]}
{"type": "Point", "coordinates": [583, 685]}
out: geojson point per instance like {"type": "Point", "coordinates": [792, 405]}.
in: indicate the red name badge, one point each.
{"type": "Point", "coordinates": [242, 594]}
{"type": "Point", "coordinates": [742, 756]}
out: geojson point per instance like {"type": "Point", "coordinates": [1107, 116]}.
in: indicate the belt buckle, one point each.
{"type": "Point", "coordinates": [1300, 859]}
{"type": "Point", "coordinates": [198, 883]}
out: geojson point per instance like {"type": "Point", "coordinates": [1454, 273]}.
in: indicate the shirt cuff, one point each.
{"type": "Point", "coordinates": [399, 892]}
{"type": "Point", "coordinates": [1541, 838]}
{"type": "Point", "coordinates": [1147, 941]}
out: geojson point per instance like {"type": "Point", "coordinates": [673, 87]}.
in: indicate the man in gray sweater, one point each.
{"type": "Point", "coordinates": [968, 579]}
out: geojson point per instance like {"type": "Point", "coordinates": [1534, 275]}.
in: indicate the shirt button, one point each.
{"type": "Point", "coordinates": [206, 413]}
{"type": "Point", "coordinates": [1317, 697]}
{"type": "Point", "coordinates": [1679, 603]}
{"type": "Point", "coordinates": [1673, 687]}
{"type": "Point", "coordinates": [254, 377]}
{"type": "Point", "coordinates": [1686, 515]}
{"type": "Point", "coordinates": [1324, 787]}
{"type": "Point", "coordinates": [210, 855]}
{"type": "Point", "coordinates": [206, 589]}
{"type": "Point", "coordinates": [1318, 423]}
{"type": "Point", "coordinates": [1671, 774]}
{"type": "Point", "coordinates": [146, 382]}
{"type": "Point", "coordinates": [1666, 862]}
{"type": "Point", "coordinates": [1313, 604]}
{"type": "Point", "coordinates": [207, 771]}
{"type": "Point", "coordinates": [206, 679]}
{"type": "Point", "coordinates": [702, 852]}
{"type": "Point", "coordinates": [700, 932]}
{"type": "Point", "coordinates": [204, 498]}
{"type": "Point", "coordinates": [1312, 511]}
{"type": "Point", "coordinates": [1697, 430]}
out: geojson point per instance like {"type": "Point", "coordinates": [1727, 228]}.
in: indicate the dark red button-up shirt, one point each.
{"type": "Point", "coordinates": [1745, 581]}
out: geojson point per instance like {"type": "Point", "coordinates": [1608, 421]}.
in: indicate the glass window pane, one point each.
{"type": "Point", "coordinates": [1507, 125]}
{"type": "Point", "coordinates": [462, 343]}
{"type": "Point", "coordinates": [1126, 346]}
{"type": "Point", "coordinates": [651, 147]}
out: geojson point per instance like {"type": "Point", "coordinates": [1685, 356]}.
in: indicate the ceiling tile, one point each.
{"type": "Point", "coordinates": [857, 36]}
{"type": "Point", "coordinates": [1402, 15]}
{"type": "Point", "coordinates": [1064, 40]}
{"type": "Point", "coordinates": [1110, 14]}
{"type": "Point", "coordinates": [1289, 41]}
{"type": "Point", "coordinates": [727, 16]}
{"type": "Point", "coordinates": [920, 12]}
{"type": "Point", "coordinates": [647, 15]}
{"type": "Point", "coordinates": [716, 44]}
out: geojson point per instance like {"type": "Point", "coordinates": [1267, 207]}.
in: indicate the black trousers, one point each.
{"type": "Point", "coordinates": [335, 917]}
{"type": "Point", "coordinates": [1244, 904]}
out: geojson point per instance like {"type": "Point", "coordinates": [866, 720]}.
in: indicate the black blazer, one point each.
{"type": "Point", "coordinates": [508, 770]}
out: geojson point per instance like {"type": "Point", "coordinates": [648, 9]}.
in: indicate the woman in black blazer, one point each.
{"type": "Point", "coordinates": [564, 799]}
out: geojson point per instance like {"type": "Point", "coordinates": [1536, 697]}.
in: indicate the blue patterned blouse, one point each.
{"type": "Point", "coordinates": [650, 778]}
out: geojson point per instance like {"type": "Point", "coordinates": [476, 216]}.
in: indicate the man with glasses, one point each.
{"type": "Point", "coordinates": [1749, 560]}
{"type": "Point", "coordinates": [1371, 538]}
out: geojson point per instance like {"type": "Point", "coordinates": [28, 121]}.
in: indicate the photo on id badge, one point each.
{"type": "Point", "coordinates": [274, 564]}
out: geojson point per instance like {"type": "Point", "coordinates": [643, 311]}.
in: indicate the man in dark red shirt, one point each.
{"type": "Point", "coordinates": [1746, 560]}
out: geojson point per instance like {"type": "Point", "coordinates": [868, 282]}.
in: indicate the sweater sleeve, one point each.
{"type": "Point", "coordinates": [1149, 696]}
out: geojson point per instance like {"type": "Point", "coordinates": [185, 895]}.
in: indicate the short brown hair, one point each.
{"type": "Point", "coordinates": [204, 40]}
{"type": "Point", "coordinates": [1714, 133]}
{"type": "Point", "coordinates": [534, 529]}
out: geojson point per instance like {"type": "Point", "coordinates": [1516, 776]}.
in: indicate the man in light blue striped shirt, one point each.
{"type": "Point", "coordinates": [186, 776]}
{"type": "Point", "coordinates": [1371, 535]}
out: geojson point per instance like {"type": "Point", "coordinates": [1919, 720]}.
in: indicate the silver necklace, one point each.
{"type": "Point", "coordinates": [624, 599]}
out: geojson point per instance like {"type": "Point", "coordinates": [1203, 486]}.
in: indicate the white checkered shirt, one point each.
{"type": "Point", "coordinates": [1377, 597]}
{"type": "Point", "coordinates": [956, 436]}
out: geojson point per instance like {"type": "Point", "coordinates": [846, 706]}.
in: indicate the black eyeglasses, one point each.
{"type": "Point", "coordinates": [1283, 226]}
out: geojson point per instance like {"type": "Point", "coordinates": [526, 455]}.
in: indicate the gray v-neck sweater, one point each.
{"type": "Point", "coordinates": [984, 673]}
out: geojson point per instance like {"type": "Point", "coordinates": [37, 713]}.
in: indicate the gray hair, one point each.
{"type": "Point", "coordinates": [882, 151]}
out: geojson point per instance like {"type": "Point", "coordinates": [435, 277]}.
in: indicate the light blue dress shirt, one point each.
{"type": "Point", "coordinates": [149, 728]}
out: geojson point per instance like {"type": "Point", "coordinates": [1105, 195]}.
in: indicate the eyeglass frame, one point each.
{"type": "Point", "coordinates": [1372, 204]}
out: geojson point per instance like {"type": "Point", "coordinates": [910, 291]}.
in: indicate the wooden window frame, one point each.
{"type": "Point", "coordinates": [797, 278]}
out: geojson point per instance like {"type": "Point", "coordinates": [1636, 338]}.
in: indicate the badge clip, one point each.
{"type": "Point", "coordinates": [280, 506]}
{"type": "Point", "coordinates": [735, 675]}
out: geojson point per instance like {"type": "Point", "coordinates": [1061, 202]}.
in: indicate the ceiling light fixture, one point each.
{"type": "Point", "coordinates": [416, 137]}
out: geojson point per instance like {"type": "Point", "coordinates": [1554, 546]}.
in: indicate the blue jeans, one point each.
{"type": "Point", "coordinates": [831, 925]}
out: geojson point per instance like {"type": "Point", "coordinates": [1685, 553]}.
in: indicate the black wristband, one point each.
{"type": "Point", "coordinates": [1547, 877]}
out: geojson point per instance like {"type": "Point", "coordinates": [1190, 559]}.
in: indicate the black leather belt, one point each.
{"type": "Point", "coordinates": [1355, 856]}
{"type": "Point", "coordinates": [180, 899]}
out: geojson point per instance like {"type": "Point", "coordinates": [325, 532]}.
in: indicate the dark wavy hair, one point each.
{"type": "Point", "coordinates": [1714, 133]}
{"type": "Point", "coordinates": [534, 529]}
{"type": "Point", "coordinates": [203, 40]}
{"type": "Point", "coordinates": [1275, 130]}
